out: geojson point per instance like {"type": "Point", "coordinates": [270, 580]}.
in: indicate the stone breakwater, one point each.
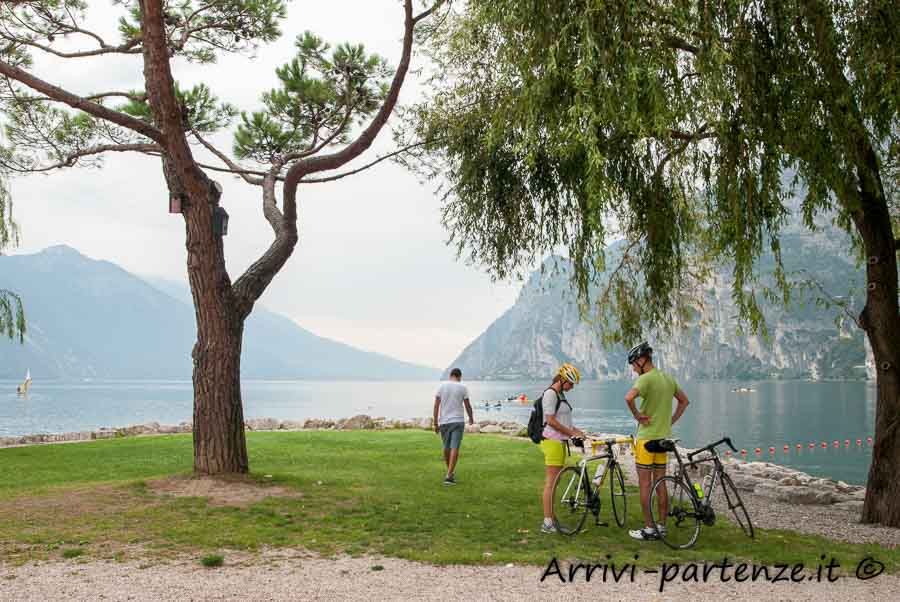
{"type": "Point", "coordinates": [782, 484]}
{"type": "Point", "coordinates": [765, 479]}
{"type": "Point", "coordinates": [359, 422]}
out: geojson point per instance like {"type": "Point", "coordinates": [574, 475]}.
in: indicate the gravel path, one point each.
{"type": "Point", "coordinates": [286, 576]}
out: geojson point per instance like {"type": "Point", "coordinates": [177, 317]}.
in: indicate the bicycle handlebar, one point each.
{"type": "Point", "coordinates": [709, 448]}
{"type": "Point", "coordinates": [610, 440]}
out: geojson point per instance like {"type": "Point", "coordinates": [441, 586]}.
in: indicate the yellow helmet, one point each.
{"type": "Point", "coordinates": [570, 373]}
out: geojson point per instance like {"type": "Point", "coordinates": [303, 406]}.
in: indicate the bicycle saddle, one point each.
{"type": "Point", "coordinates": [657, 446]}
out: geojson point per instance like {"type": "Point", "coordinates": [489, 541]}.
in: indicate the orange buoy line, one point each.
{"type": "Point", "coordinates": [786, 448]}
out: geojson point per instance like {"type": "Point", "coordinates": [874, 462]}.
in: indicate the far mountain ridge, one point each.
{"type": "Point", "coordinates": [90, 318]}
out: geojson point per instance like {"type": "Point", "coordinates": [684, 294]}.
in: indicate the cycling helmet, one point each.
{"type": "Point", "coordinates": [570, 373]}
{"type": "Point", "coordinates": [639, 351]}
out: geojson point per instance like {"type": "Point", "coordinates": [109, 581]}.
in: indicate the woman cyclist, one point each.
{"type": "Point", "coordinates": [558, 428]}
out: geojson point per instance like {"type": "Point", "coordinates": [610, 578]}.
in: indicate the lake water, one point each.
{"type": "Point", "coordinates": [777, 413]}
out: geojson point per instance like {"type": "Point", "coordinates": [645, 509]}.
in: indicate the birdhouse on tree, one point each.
{"type": "Point", "coordinates": [220, 221]}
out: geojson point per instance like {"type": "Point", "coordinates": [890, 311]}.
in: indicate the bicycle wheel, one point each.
{"type": "Point", "coordinates": [570, 501]}
{"type": "Point", "coordinates": [736, 505]}
{"type": "Point", "coordinates": [617, 493]}
{"type": "Point", "coordinates": [682, 520]}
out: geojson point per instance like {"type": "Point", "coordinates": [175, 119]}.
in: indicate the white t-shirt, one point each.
{"type": "Point", "coordinates": [563, 414]}
{"type": "Point", "coordinates": [451, 394]}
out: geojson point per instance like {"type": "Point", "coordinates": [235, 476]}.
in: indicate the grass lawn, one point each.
{"type": "Point", "coordinates": [360, 492]}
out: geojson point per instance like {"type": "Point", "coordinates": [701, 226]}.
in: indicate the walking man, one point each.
{"type": "Point", "coordinates": [655, 418]}
{"type": "Point", "coordinates": [449, 421]}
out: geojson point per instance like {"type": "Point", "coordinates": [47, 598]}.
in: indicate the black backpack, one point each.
{"type": "Point", "coordinates": [536, 422]}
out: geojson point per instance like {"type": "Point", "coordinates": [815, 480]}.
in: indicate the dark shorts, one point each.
{"type": "Point", "coordinates": [452, 434]}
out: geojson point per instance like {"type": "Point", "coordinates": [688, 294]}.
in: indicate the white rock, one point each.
{"type": "Point", "coordinates": [356, 423]}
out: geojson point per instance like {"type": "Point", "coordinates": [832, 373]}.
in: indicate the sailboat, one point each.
{"type": "Point", "coordinates": [23, 388]}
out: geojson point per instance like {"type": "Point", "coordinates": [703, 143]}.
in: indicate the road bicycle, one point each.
{"type": "Point", "coordinates": [575, 493]}
{"type": "Point", "coordinates": [690, 504]}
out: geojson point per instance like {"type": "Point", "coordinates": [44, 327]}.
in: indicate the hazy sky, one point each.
{"type": "Point", "coordinates": [372, 268]}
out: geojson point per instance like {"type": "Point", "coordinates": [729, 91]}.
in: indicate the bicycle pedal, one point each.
{"type": "Point", "coordinates": [603, 524]}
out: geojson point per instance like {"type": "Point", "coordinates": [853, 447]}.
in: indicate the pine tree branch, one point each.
{"type": "Point", "coordinates": [233, 167]}
{"type": "Point", "coordinates": [164, 105]}
{"type": "Point", "coordinates": [364, 167]}
{"type": "Point", "coordinates": [254, 281]}
{"type": "Point", "coordinates": [57, 94]}
{"type": "Point", "coordinates": [72, 159]}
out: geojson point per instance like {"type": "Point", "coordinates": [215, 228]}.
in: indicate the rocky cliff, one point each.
{"type": "Point", "coordinates": [805, 340]}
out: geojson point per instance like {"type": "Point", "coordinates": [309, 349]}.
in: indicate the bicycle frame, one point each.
{"type": "Point", "coordinates": [583, 480]}
{"type": "Point", "coordinates": [704, 504]}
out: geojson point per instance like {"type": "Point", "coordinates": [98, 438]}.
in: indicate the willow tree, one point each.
{"type": "Point", "coordinates": [12, 314]}
{"type": "Point", "coordinates": [328, 108]}
{"type": "Point", "coordinates": [683, 127]}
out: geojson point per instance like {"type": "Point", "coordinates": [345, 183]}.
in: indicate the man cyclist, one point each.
{"type": "Point", "coordinates": [655, 418]}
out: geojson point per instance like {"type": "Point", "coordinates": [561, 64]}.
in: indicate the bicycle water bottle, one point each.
{"type": "Point", "coordinates": [699, 490]}
{"type": "Point", "coordinates": [598, 475]}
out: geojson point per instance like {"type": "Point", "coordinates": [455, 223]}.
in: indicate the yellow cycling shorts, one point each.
{"type": "Point", "coordinates": [646, 459]}
{"type": "Point", "coordinates": [555, 452]}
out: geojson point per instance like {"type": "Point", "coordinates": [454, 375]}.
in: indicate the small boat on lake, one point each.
{"type": "Point", "coordinates": [23, 388]}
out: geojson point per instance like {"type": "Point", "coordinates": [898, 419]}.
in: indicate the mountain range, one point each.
{"type": "Point", "coordinates": [92, 319]}
{"type": "Point", "coordinates": [805, 340]}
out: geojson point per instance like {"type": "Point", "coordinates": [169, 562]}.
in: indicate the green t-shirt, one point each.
{"type": "Point", "coordinates": [657, 390]}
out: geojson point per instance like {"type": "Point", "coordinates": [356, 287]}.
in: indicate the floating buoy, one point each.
{"type": "Point", "coordinates": [859, 441]}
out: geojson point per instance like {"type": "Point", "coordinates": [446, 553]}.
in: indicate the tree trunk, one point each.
{"type": "Point", "coordinates": [881, 320]}
{"type": "Point", "coordinates": [219, 442]}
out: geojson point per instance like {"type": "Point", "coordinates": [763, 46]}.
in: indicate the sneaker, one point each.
{"type": "Point", "coordinates": [449, 480]}
{"type": "Point", "coordinates": [551, 528]}
{"type": "Point", "coordinates": [645, 534]}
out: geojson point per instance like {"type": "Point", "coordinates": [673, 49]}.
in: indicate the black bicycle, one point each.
{"type": "Point", "coordinates": [690, 504]}
{"type": "Point", "coordinates": [575, 493]}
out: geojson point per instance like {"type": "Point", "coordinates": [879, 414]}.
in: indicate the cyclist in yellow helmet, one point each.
{"type": "Point", "coordinates": [558, 428]}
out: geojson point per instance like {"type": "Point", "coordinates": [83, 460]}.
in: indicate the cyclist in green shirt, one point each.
{"type": "Point", "coordinates": [655, 418]}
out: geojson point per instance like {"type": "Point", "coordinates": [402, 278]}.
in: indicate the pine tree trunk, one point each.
{"type": "Point", "coordinates": [881, 321]}
{"type": "Point", "coordinates": [219, 443]}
